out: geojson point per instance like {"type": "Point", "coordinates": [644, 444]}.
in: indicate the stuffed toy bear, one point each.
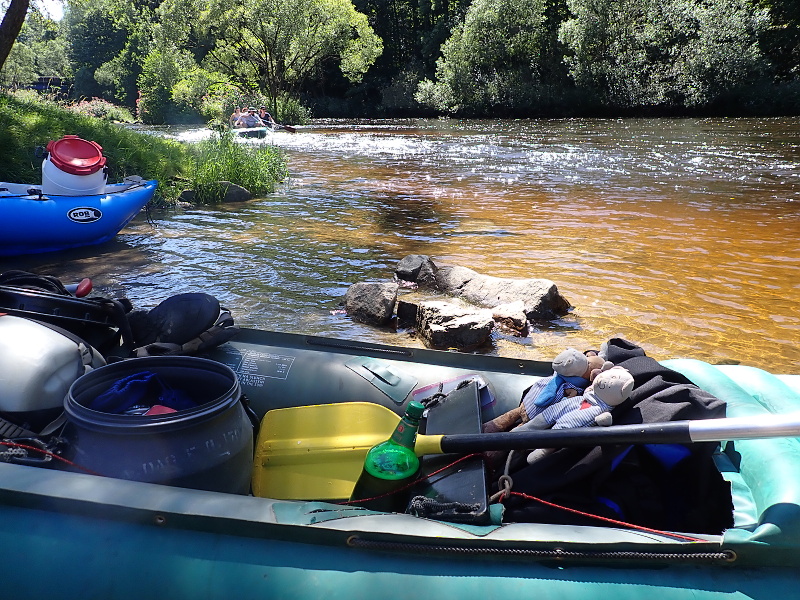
{"type": "Point", "coordinates": [572, 373]}
{"type": "Point", "coordinates": [610, 388]}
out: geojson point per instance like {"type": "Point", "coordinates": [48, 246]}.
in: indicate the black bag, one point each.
{"type": "Point", "coordinates": [100, 322]}
{"type": "Point", "coordinates": [674, 487]}
{"type": "Point", "coordinates": [181, 324]}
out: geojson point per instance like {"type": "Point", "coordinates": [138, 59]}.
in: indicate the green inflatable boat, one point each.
{"type": "Point", "coordinates": [67, 533]}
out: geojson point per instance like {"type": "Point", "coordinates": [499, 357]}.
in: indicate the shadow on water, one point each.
{"type": "Point", "coordinates": [678, 234]}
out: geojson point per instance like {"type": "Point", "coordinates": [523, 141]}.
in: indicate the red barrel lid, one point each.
{"type": "Point", "coordinates": [76, 156]}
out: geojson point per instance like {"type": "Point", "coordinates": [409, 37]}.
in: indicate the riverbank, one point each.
{"type": "Point", "coordinates": [26, 125]}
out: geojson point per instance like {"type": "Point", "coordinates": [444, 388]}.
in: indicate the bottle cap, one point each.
{"type": "Point", "coordinates": [415, 409]}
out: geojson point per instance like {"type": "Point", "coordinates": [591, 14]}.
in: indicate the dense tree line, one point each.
{"type": "Point", "coordinates": [189, 59]}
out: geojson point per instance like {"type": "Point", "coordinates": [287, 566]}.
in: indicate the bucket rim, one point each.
{"type": "Point", "coordinates": [83, 416]}
{"type": "Point", "coordinates": [75, 156]}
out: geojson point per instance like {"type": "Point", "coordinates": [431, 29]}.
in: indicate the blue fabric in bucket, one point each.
{"type": "Point", "coordinates": [142, 388]}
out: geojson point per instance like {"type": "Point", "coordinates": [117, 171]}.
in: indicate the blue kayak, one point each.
{"type": "Point", "coordinates": [34, 223]}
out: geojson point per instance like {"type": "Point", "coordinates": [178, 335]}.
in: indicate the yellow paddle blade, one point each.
{"type": "Point", "coordinates": [317, 452]}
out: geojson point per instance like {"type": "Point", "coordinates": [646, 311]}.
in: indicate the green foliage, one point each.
{"type": "Point", "coordinates": [216, 104]}
{"type": "Point", "coordinates": [119, 75]}
{"type": "Point", "coordinates": [491, 60]}
{"type": "Point", "coordinates": [290, 110]}
{"type": "Point", "coordinates": [96, 37]}
{"type": "Point", "coordinates": [399, 94]}
{"type": "Point", "coordinates": [221, 100]}
{"type": "Point", "coordinates": [26, 125]}
{"type": "Point", "coordinates": [664, 53]}
{"type": "Point", "coordinates": [383, 57]}
{"type": "Point", "coordinates": [256, 167]}
{"type": "Point", "coordinates": [38, 52]}
{"type": "Point", "coordinates": [781, 40]}
{"type": "Point", "coordinates": [190, 92]}
{"type": "Point", "coordinates": [30, 96]}
{"type": "Point", "coordinates": [277, 54]}
{"type": "Point", "coordinates": [102, 109]}
{"type": "Point", "coordinates": [20, 66]}
{"type": "Point", "coordinates": [171, 87]}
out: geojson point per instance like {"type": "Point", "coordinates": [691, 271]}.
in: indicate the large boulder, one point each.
{"type": "Point", "coordinates": [540, 297]}
{"type": "Point", "coordinates": [444, 325]}
{"type": "Point", "coordinates": [371, 303]}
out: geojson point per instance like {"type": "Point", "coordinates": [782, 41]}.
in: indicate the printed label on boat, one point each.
{"type": "Point", "coordinates": [255, 367]}
{"type": "Point", "coordinates": [85, 214]}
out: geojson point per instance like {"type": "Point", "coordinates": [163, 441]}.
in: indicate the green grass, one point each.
{"type": "Point", "coordinates": [220, 158]}
{"type": "Point", "coordinates": [27, 125]}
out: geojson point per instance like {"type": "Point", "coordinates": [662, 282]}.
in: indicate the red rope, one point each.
{"type": "Point", "coordinates": [48, 453]}
{"type": "Point", "coordinates": [413, 483]}
{"type": "Point", "coordinates": [535, 499]}
{"type": "Point", "coordinates": [608, 520]}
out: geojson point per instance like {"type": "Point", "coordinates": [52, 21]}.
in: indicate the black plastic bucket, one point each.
{"type": "Point", "coordinates": [208, 446]}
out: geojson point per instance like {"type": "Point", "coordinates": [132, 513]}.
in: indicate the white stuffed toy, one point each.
{"type": "Point", "coordinates": [610, 388]}
{"type": "Point", "coordinates": [572, 373]}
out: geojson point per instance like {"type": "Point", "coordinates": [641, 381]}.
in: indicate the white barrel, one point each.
{"type": "Point", "coordinates": [73, 167]}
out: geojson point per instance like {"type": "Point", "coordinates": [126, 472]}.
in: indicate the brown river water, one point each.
{"type": "Point", "coordinates": [680, 235]}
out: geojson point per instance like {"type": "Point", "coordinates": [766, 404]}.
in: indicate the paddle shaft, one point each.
{"type": "Point", "coordinates": [673, 432]}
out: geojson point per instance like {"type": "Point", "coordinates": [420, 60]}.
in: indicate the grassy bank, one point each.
{"type": "Point", "coordinates": [27, 125]}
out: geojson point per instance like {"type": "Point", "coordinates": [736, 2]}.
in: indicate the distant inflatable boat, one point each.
{"type": "Point", "coordinates": [261, 132]}
{"type": "Point", "coordinates": [251, 132]}
{"type": "Point", "coordinates": [35, 222]}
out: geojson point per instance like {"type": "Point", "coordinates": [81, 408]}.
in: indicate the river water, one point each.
{"type": "Point", "coordinates": [680, 235]}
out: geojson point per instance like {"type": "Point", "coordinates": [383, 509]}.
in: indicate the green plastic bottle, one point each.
{"type": "Point", "coordinates": [390, 466]}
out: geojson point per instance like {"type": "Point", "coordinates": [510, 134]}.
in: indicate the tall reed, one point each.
{"type": "Point", "coordinates": [258, 168]}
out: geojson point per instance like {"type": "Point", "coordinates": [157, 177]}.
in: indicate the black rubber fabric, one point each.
{"type": "Point", "coordinates": [176, 320]}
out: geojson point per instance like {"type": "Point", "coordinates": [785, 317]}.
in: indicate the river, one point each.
{"type": "Point", "coordinates": [680, 235]}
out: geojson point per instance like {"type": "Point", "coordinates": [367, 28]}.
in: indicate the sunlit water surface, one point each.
{"type": "Point", "coordinates": [679, 235]}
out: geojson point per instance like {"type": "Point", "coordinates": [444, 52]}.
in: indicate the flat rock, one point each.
{"type": "Point", "coordinates": [511, 316]}
{"type": "Point", "coordinates": [540, 297]}
{"type": "Point", "coordinates": [444, 325]}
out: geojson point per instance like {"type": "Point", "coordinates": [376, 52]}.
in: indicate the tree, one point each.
{"type": "Point", "coordinates": [96, 37]}
{"type": "Point", "coordinates": [160, 72]}
{"type": "Point", "coordinates": [275, 45]}
{"type": "Point", "coordinates": [39, 51]}
{"type": "Point", "coordinates": [663, 53]}
{"type": "Point", "coordinates": [11, 26]}
{"type": "Point", "coordinates": [781, 40]}
{"type": "Point", "coordinates": [492, 61]}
